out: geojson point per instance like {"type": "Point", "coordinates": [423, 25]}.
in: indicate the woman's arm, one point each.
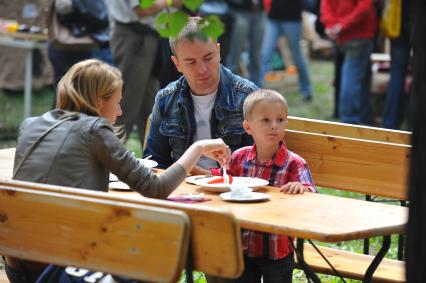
{"type": "Point", "coordinates": [113, 155]}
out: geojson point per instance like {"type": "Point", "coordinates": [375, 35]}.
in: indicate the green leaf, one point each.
{"type": "Point", "coordinates": [212, 26]}
{"type": "Point", "coordinates": [178, 20]}
{"type": "Point", "coordinates": [144, 4]}
{"type": "Point", "coordinates": [192, 4]}
{"type": "Point", "coordinates": [170, 24]}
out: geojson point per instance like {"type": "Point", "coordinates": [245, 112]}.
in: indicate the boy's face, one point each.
{"type": "Point", "coordinates": [267, 123]}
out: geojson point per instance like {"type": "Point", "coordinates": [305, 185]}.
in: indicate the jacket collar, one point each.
{"type": "Point", "coordinates": [278, 159]}
{"type": "Point", "coordinates": [225, 94]}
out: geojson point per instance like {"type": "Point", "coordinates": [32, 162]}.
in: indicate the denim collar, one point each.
{"type": "Point", "coordinates": [226, 94]}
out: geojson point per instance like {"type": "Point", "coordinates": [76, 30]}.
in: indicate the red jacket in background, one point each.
{"type": "Point", "coordinates": [358, 18]}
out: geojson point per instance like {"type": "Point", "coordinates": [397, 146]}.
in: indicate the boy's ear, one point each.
{"type": "Point", "coordinates": [246, 126]}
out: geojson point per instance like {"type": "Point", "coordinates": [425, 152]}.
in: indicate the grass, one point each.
{"type": "Point", "coordinates": [321, 107]}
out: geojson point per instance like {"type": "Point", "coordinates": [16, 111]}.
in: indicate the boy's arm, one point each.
{"type": "Point", "coordinates": [301, 180]}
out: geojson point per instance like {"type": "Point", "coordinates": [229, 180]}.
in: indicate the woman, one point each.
{"type": "Point", "coordinates": [75, 145]}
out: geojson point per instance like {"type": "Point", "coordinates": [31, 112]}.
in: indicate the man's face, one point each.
{"type": "Point", "coordinates": [199, 62]}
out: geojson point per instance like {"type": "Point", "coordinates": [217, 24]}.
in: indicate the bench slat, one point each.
{"type": "Point", "coordinates": [353, 265]}
{"type": "Point", "coordinates": [348, 130]}
{"type": "Point", "coordinates": [137, 241]}
{"type": "Point", "coordinates": [367, 167]}
{"type": "Point", "coordinates": [215, 233]}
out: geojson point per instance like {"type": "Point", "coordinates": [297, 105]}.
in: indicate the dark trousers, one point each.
{"type": "Point", "coordinates": [16, 276]}
{"type": "Point", "coordinates": [272, 271]}
{"type": "Point", "coordinates": [62, 61]}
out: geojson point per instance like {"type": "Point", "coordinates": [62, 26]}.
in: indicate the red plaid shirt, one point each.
{"type": "Point", "coordinates": [284, 167]}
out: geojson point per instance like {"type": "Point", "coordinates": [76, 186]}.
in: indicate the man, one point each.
{"type": "Point", "coordinates": [285, 18]}
{"type": "Point", "coordinates": [134, 44]}
{"type": "Point", "coordinates": [353, 25]}
{"type": "Point", "coordinates": [206, 102]}
{"type": "Point", "coordinates": [249, 26]}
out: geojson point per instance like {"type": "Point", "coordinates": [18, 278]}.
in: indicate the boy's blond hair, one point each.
{"type": "Point", "coordinates": [85, 83]}
{"type": "Point", "coordinates": [263, 95]}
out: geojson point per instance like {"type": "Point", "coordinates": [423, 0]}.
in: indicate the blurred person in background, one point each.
{"type": "Point", "coordinates": [400, 58]}
{"type": "Point", "coordinates": [352, 24]}
{"type": "Point", "coordinates": [285, 18]}
{"type": "Point", "coordinates": [135, 44]}
{"type": "Point", "coordinates": [248, 27]}
{"type": "Point", "coordinates": [81, 18]}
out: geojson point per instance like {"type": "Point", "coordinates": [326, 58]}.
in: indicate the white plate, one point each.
{"type": "Point", "coordinates": [149, 163]}
{"type": "Point", "coordinates": [191, 179]}
{"type": "Point", "coordinates": [251, 197]}
{"type": "Point", "coordinates": [118, 185]}
{"type": "Point", "coordinates": [253, 183]}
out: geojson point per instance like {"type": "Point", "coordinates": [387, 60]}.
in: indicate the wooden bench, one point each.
{"type": "Point", "coordinates": [348, 130]}
{"type": "Point", "coordinates": [142, 242]}
{"type": "Point", "coordinates": [357, 159]}
{"type": "Point", "coordinates": [214, 233]}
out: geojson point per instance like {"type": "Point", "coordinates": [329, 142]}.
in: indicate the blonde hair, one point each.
{"type": "Point", "coordinates": [191, 31]}
{"type": "Point", "coordinates": [262, 95]}
{"type": "Point", "coordinates": [85, 83]}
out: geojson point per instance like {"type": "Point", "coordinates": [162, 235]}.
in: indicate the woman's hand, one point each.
{"type": "Point", "coordinates": [216, 149]}
{"type": "Point", "coordinates": [294, 188]}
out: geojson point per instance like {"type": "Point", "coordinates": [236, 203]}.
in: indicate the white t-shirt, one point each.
{"type": "Point", "coordinates": [203, 106]}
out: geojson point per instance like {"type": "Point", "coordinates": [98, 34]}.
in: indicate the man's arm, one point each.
{"type": "Point", "coordinates": [157, 144]}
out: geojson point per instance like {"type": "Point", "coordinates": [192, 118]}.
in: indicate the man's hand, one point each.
{"type": "Point", "coordinates": [294, 188]}
{"type": "Point", "coordinates": [334, 31]}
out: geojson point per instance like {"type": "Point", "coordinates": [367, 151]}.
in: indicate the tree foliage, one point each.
{"type": "Point", "coordinates": [169, 23]}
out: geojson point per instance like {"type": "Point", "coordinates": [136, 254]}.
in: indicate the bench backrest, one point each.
{"type": "Point", "coordinates": [368, 167]}
{"type": "Point", "coordinates": [215, 233]}
{"type": "Point", "coordinates": [348, 130]}
{"type": "Point", "coordinates": [138, 241]}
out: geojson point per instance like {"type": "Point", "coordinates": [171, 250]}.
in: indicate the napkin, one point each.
{"type": "Point", "coordinates": [189, 198]}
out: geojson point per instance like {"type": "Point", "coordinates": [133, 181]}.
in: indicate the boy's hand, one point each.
{"type": "Point", "coordinates": [294, 188]}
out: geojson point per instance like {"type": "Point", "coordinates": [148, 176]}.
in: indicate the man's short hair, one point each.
{"type": "Point", "coordinates": [190, 31]}
{"type": "Point", "coordinates": [262, 95]}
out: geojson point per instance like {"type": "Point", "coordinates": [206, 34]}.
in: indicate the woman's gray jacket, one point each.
{"type": "Point", "coordinates": [81, 152]}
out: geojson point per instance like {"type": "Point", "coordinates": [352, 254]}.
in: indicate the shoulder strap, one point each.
{"type": "Point", "coordinates": [31, 148]}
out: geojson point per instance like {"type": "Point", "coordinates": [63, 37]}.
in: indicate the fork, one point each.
{"type": "Point", "coordinates": [225, 175]}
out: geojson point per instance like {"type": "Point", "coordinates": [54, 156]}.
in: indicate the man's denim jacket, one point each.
{"type": "Point", "coordinates": [173, 122]}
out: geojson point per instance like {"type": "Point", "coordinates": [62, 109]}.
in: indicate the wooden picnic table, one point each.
{"type": "Point", "coordinates": [312, 216]}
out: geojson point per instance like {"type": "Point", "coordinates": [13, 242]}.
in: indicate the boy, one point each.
{"type": "Point", "coordinates": [265, 119]}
